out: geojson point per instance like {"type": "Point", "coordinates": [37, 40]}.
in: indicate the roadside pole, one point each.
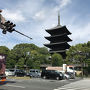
{"type": "Point", "coordinates": [82, 69]}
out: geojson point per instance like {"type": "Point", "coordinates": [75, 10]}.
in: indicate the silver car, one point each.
{"type": "Point", "coordinates": [35, 73]}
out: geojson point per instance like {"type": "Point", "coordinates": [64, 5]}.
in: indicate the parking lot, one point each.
{"type": "Point", "coordinates": [34, 84]}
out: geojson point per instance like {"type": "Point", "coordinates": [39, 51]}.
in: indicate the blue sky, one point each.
{"type": "Point", "coordinates": [32, 17]}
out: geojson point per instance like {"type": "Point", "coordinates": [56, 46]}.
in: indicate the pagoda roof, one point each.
{"type": "Point", "coordinates": [55, 43]}
{"type": "Point", "coordinates": [57, 27]}
{"type": "Point", "coordinates": [65, 45]}
{"type": "Point", "coordinates": [56, 36]}
{"type": "Point", "coordinates": [59, 51]}
{"type": "Point", "coordinates": [59, 30]}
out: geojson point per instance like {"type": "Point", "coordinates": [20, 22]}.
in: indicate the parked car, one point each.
{"type": "Point", "coordinates": [12, 71]}
{"type": "Point", "coordinates": [35, 73]}
{"type": "Point", "coordinates": [52, 74]}
{"type": "Point", "coordinates": [27, 74]}
{"type": "Point", "coordinates": [66, 76]}
{"type": "Point", "coordinates": [9, 72]}
{"type": "Point", "coordinates": [72, 75]}
{"type": "Point", "coordinates": [20, 73]}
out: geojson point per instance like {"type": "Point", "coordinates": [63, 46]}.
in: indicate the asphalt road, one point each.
{"type": "Point", "coordinates": [34, 84]}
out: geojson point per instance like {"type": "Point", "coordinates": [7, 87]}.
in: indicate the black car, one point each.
{"type": "Point", "coordinates": [20, 73]}
{"type": "Point", "coordinates": [52, 74]}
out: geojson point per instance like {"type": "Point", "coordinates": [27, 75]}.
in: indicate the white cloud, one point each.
{"type": "Point", "coordinates": [40, 15]}
{"type": "Point", "coordinates": [15, 16]}
{"type": "Point", "coordinates": [64, 3]}
{"type": "Point", "coordinates": [80, 34]}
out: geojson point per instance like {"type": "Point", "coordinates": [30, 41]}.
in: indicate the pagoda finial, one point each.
{"type": "Point", "coordinates": [58, 18]}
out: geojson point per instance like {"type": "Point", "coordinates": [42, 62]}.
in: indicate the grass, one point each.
{"type": "Point", "coordinates": [24, 78]}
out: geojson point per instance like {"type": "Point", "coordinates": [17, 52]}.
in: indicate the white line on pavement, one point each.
{"type": "Point", "coordinates": [64, 89]}
{"type": "Point", "coordinates": [14, 86]}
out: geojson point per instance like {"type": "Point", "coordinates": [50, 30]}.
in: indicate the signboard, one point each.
{"type": "Point", "coordinates": [2, 64]}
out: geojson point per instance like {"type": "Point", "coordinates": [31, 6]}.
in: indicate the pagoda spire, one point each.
{"type": "Point", "coordinates": [58, 18]}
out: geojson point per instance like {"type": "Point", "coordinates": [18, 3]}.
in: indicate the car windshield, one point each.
{"type": "Point", "coordinates": [71, 68]}
{"type": "Point", "coordinates": [35, 71]}
{"type": "Point", "coordinates": [12, 70]}
{"type": "Point", "coordinates": [32, 71]}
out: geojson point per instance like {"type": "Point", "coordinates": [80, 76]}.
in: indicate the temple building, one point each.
{"type": "Point", "coordinates": [58, 39]}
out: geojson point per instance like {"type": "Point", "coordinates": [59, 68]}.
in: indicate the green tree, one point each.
{"type": "Point", "coordinates": [37, 64]}
{"type": "Point", "coordinates": [4, 50]}
{"type": "Point", "coordinates": [30, 63]}
{"type": "Point", "coordinates": [25, 54]}
{"type": "Point", "coordinates": [20, 63]}
{"type": "Point", "coordinates": [43, 50]}
{"type": "Point", "coordinates": [10, 63]}
{"type": "Point", "coordinates": [78, 53]}
{"type": "Point", "coordinates": [57, 60]}
{"type": "Point", "coordinates": [23, 51]}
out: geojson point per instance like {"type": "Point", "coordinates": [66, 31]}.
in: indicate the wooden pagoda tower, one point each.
{"type": "Point", "coordinates": [58, 39]}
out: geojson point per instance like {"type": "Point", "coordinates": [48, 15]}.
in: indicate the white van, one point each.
{"type": "Point", "coordinates": [35, 73]}
{"type": "Point", "coordinates": [9, 72]}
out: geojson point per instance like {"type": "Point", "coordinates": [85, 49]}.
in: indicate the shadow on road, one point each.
{"type": "Point", "coordinates": [6, 82]}
{"type": "Point", "coordinates": [10, 82]}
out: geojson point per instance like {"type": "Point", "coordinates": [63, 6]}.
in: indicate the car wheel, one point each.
{"type": "Point", "coordinates": [15, 75]}
{"type": "Point", "coordinates": [57, 78]}
{"type": "Point", "coordinates": [44, 77]}
{"type": "Point", "coordinates": [38, 76]}
{"type": "Point", "coordinates": [66, 78]}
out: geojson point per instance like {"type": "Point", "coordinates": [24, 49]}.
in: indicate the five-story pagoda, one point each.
{"type": "Point", "coordinates": [58, 39]}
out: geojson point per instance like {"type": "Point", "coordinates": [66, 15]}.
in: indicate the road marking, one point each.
{"type": "Point", "coordinates": [14, 86]}
{"type": "Point", "coordinates": [72, 88]}
{"type": "Point", "coordinates": [63, 89]}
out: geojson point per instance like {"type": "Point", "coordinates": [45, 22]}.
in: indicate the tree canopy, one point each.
{"type": "Point", "coordinates": [57, 60]}
{"type": "Point", "coordinates": [33, 56]}
{"type": "Point", "coordinates": [25, 55]}
{"type": "Point", "coordinates": [79, 53]}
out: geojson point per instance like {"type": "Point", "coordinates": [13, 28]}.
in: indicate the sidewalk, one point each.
{"type": "Point", "coordinates": [78, 85]}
